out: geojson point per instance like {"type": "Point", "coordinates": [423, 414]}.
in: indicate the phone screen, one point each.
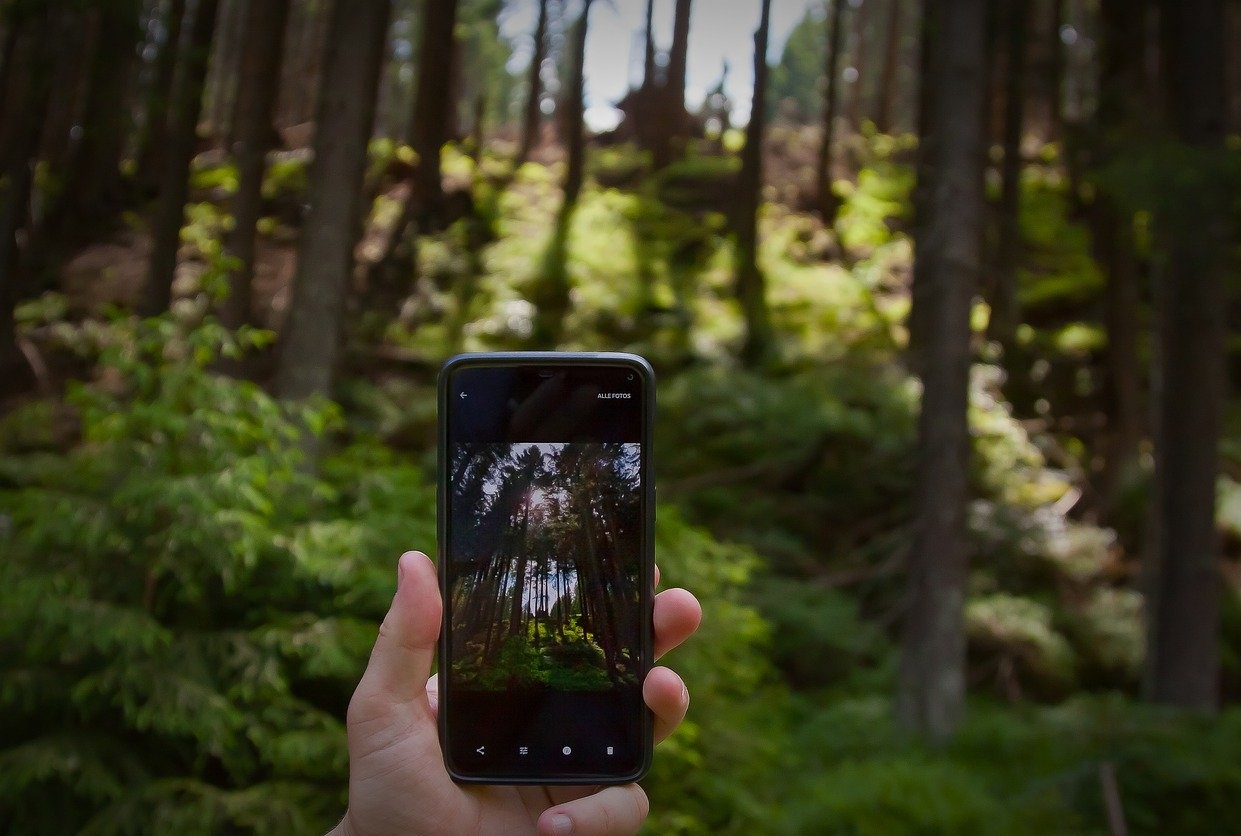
{"type": "Point", "coordinates": [546, 569]}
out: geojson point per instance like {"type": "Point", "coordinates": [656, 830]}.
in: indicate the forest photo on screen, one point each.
{"type": "Point", "coordinates": [545, 543]}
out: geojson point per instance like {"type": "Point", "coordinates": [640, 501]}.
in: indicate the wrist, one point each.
{"type": "Point", "coordinates": [345, 828]}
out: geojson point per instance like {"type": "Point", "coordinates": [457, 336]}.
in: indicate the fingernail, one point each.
{"type": "Point", "coordinates": [562, 825]}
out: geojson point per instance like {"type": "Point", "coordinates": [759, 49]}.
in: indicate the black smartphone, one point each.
{"type": "Point", "coordinates": [546, 556]}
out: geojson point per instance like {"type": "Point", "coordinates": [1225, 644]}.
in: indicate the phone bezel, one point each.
{"type": "Point", "coordinates": [540, 360]}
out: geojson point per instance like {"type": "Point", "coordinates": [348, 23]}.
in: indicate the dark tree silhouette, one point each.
{"type": "Point", "coordinates": [574, 105]}
{"type": "Point", "coordinates": [1183, 659]}
{"type": "Point", "coordinates": [94, 178]}
{"type": "Point", "coordinates": [1122, 117]}
{"type": "Point", "coordinates": [429, 128]}
{"type": "Point", "coordinates": [309, 341]}
{"type": "Point", "coordinates": [180, 137]}
{"type": "Point", "coordinates": [1005, 305]}
{"type": "Point", "coordinates": [545, 565]}
{"type": "Point", "coordinates": [931, 696]}
{"type": "Point", "coordinates": [829, 202]}
{"type": "Point", "coordinates": [534, 95]}
{"type": "Point", "coordinates": [29, 55]}
{"type": "Point", "coordinates": [751, 285]}
{"type": "Point", "coordinates": [150, 151]}
{"type": "Point", "coordinates": [261, 52]}
{"type": "Point", "coordinates": [891, 61]}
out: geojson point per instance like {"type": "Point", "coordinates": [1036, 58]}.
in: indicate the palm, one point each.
{"type": "Point", "coordinates": [397, 780]}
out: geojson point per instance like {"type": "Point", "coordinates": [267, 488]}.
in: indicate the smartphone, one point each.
{"type": "Point", "coordinates": [546, 518]}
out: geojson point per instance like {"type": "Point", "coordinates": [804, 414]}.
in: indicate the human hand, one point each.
{"type": "Point", "coordinates": [397, 780]}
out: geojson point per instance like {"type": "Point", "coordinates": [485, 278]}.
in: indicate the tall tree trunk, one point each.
{"type": "Point", "coordinates": [12, 31]}
{"type": "Point", "coordinates": [182, 137]}
{"type": "Point", "coordinates": [649, 81]}
{"type": "Point", "coordinates": [94, 171]}
{"type": "Point", "coordinates": [1183, 660]}
{"type": "Point", "coordinates": [1005, 303]}
{"type": "Point", "coordinates": [1122, 109]}
{"type": "Point", "coordinates": [574, 106]}
{"type": "Point", "coordinates": [829, 202]}
{"type": "Point", "coordinates": [861, 22]}
{"type": "Point", "coordinates": [891, 62]}
{"type": "Point", "coordinates": [430, 128]}
{"type": "Point", "coordinates": [534, 78]}
{"type": "Point", "coordinates": [751, 284]}
{"type": "Point", "coordinates": [90, 200]}
{"type": "Point", "coordinates": [920, 198]}
{"type": "Point", "coordinates": [302, 74]}
{"type": "Point", "coordinates": [673, 118]}
{"type": "Point", "coordinates": [261, 53]}
{"type": "Point", "coordinates": [433, 102]}
{"type": "Point", "coordinates": [931, 698]}
{"type": "Point", "coordinates": [159, 96]}
{"type": "Point", "coordinates": [1055, 75]}
{"type": "Point", "coordinates": [220, 94]}
{"type": "Point", "coordinates": [77, 36]}
{"type": "Point", "coordinates": [350, 80]}
{"type": "Point", "coordinates": [27, 92]}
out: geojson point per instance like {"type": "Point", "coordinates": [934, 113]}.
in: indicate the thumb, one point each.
{"type": "Point", "coordinates": [401, 660]}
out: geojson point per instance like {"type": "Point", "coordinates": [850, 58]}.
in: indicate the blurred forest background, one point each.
{"type": "Point", "coordinates": [944, 336]}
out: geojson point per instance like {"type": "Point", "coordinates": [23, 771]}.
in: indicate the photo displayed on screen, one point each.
{"type": "Point", "coordinates": [545, 557]}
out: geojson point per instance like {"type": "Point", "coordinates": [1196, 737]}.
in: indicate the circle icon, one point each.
{"type": "Point", "coordinates": [567, 750]}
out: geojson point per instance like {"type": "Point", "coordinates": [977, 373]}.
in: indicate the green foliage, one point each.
{"type": "Point", "coordinates": [879, 199]}
{"type": "Point", "coordinates": [187, 607]}
{"type": "Point", "coordinates": [709, 777]}
{"type": "Point", "coordinates": [902, 795]}
{"type": "Point", "coordinates": [823, 640]}
{"type": "Point", "coordinates": [1058, 270]}
{"type": "Point", "coordinates": [1020, 631]}
{"type": "Point", "coordinates": [795, 85]}
{"type": "Point", "coordinates": [188, 603]}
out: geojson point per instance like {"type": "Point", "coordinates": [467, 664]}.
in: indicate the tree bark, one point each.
{"type": "Point", "coordinates": [1005, 303]}
{"type": "Point", "coordinates": [927, 134]}
{"type": "Point", "coordinates": [1055, 81]}
{"type": "Point", "coordinates": [220, 94]}
{"type": "Point", "coordinates": [30, 70]}
{"type": "Point", "coordinates": [429, 129]}
{"type": "Point", "coordinates": [350, 80]}
{"type": "Point", "coordinates": [151, 146]}
{"type": "Point", "coordinates": [94, 170]}
{"type": "Point", "coordinates": [1121, 118]}
{"type": "Point", "coordinates": [90, 200]}
{"type": "Point", "coordinates": [751, 284]}
{"type": "Point", "coordinates": [673, 118]}
{"type": "Point", "coordinates": [534, 113]}
{"type": "Point", "coordinates": [574, 111]}
{"type": "Point", "coordinates": [829, 202]}
{"type": "Point", "coordinates": [1183, 657]}
{"type": "Point", "coordinates": [861, 22]}
{"type": "Point", "coordinates": [931, 698]}
{"type": "Point", "coordinates": [891, 62]}
{"type": "Point", "coordinates": [261, 53]}
{"type": "Point", "coordinates": [182, 138]}
{"type": "Point", "coordinates": [649, 81]}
